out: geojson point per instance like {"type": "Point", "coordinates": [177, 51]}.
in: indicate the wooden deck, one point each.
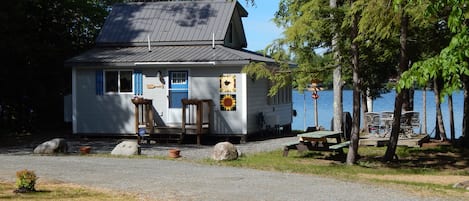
{"type": "Point", "coordinates": [373, 141]}
{"type": "Point", "coordinates": [415, 141]}
{"type": "Point", "coordinates": [174, 134]}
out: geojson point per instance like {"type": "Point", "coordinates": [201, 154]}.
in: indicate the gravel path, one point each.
{"type": "Point", "coordinates": [188, 151]}
{"type": "Point", "coordinates": [179, 180]}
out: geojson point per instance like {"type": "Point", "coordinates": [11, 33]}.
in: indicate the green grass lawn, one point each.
{"type": "Point", "coordinates": [428, 171]}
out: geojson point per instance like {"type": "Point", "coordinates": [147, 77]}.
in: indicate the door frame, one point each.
{"type": "Point", "coordinates": [175, 114]}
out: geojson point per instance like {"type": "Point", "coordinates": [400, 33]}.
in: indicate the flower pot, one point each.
{"type": "Point", "coordinates": [85, 149]}
{"type": "Point", "coordinates": [174, 153]}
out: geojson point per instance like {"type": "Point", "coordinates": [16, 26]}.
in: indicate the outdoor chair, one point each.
{"type": "Point", "coordinates": [387, 118]}
{"type": "Point", "coordinates": [372, 122]}
{"type": "Point", "coordinates": [410, 121]}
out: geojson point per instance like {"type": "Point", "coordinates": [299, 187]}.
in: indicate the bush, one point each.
{"type": "Point", "coordinates": [25, 181]}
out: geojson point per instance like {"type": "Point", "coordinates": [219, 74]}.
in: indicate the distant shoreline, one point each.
{"type": "Point", "coordinates": [385, 103]}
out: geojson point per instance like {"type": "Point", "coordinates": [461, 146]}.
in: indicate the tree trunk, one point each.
{"type": "Point", "coordinates": [337, 76]}
{"type": "Point", "coordinates": [369, 102]}
{"type": "Point", "coordinates": [396, 127]}
{"type": "Point", "coordinates": [424, 109]}
{"type": "Point", "coordinates": [353, 148]}
{"type": "Point", "coordinates": [364, 109]}
{"type": "Point", "coordinates": [465, 119]}
{"type": "Point", "coordinates": [403, 66]}
{"type": "Point", "coordinates": [406, 106]}
{"type": "Point", "coordinates": [437, 131]}
{"type": "Point", "coordinates": [440, 127]}
{"type": "Point", "coordinates": [408, 100]}
{"type": "Point", "coordinates": [451, 118]}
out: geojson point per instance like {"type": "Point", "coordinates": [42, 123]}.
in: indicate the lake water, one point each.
{"type": "Point", "coordinates": [303, 102]}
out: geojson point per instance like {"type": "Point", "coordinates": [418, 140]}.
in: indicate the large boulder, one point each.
{"type": "Point", "coordinates": [224, 151]}
{"type": "Point", "coordinates": [126, 148]}
{"type": "Point", "coordinates": [56, 145]}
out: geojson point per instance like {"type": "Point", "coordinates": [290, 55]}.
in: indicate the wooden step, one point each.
{"type": "Point", "coordinates": [166, 138]}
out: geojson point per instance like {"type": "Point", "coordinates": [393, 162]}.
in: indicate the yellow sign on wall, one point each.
{"type": "Point", "coordinates": [228, 102]}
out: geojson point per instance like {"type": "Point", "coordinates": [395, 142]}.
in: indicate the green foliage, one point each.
{"type": "Point", "coordinates": [451, 62]}
{"type": "Point", "coordinates": [311, 24]}
{"type": "Point", "coordinates": [26, 180]}
{"type": "Point", "coordinates": [372, 29]}
{"type": "Point", "coordinates": [307, 28]}
{"type": "Point", "coordinates": [377, 44]}
{"type": "Point", "coordinates": [308, 25]}
{"type": "Point", "coordinates": [37, 37]}
{"type": "Point", "coordinates": [257, 70]}
{"type": "Point", "coordinates": [279, 77]}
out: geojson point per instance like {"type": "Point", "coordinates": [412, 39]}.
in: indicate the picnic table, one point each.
{"type": "Point", "coordinates": [317, 141]}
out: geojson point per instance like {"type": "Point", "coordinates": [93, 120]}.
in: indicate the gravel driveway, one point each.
{"type": "Point", "coordinates": [179, 180]}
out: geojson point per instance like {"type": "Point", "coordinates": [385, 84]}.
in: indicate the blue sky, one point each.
{"type": "Point", "coordinates": [258, 26]}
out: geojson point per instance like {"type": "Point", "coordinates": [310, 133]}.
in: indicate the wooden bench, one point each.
{"type": "Point", "coordinates": [308, 146]}
{"type": "Point", "coordinates": [298, 145]}
{"type": "Point", "coordinates": [339, 147]}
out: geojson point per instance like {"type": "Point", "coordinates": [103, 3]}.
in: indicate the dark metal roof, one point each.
{"type": "Point", "coordinates": [199, 53]}
{"type": "Point", "coordinates": [169, 21]}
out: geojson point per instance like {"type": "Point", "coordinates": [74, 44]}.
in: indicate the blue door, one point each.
{"type": "Point", "coordinates": [178, 90]}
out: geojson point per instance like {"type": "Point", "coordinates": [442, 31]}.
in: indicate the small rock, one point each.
{"type": "Point", "coordinates": [57, 145]}
{"type": "Point", "coordinates": [126, 148]}
{"type": "Point", "coordinates": [224, 151]}
{"type": "Point", "coordinates": [463, 185]}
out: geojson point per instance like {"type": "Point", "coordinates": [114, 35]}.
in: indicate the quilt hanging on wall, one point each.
{"type": "Point", "coordinates": [228, 102]}
{"type": "Point", "coordinates": [228, 92]}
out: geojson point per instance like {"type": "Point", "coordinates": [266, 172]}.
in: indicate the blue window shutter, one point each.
{"type": "Point", "coordinates": [99, 82]}
{"type": "Point", "coordinates": [138, 83]}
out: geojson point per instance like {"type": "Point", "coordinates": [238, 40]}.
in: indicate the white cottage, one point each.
{"type": "Point", "coordinates": [166, 52]}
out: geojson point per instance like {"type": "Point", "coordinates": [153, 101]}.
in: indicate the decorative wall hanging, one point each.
{"type": "Point", "coordinates": [227, 83]}
{"type": "Point", "coordinates": [228, 102]}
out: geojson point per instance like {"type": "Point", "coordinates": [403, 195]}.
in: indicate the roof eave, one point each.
{"type": "Point", "coordinates": [157, 64]}
{"type": "Point", "coordinates": [160, 43]}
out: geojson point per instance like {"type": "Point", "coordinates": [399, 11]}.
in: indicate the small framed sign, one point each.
{"type": "Point", "coordinates": [227, 83]}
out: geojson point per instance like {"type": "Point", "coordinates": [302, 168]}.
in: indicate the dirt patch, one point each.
{"type": "Point", "coordinates": [438, 155]}
{"type": "Point", "coordinates": [433, 179]}
{"type": "Point", "coordinates": [435, 143]}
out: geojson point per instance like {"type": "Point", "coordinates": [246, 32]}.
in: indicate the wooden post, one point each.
{"type": "Point", "coordinates": [183, 116]}
{"type": "Point", "coordinates": [146, 105]}
{"type": "Point", "coordinates": [316, 121]}
{"type": "Point", "coordinates": [199, 120]}
{"type": "Point", "coordinates": [150, 118]}
{"type": "Point", "coordinates": [136, 123]}
{"type": "Point", "coordinates": [136, 118]}
{"type": "Point", "coordinates": [209, 111]}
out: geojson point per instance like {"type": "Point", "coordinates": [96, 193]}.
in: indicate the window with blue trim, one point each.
{"type": "Point", "coordinates": [119, 81]}
{"type": "Point", "coordinates": [178, 88]}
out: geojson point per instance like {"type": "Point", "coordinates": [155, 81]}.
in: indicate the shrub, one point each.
{"type": "Point", "coordinates": [25, 181]}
